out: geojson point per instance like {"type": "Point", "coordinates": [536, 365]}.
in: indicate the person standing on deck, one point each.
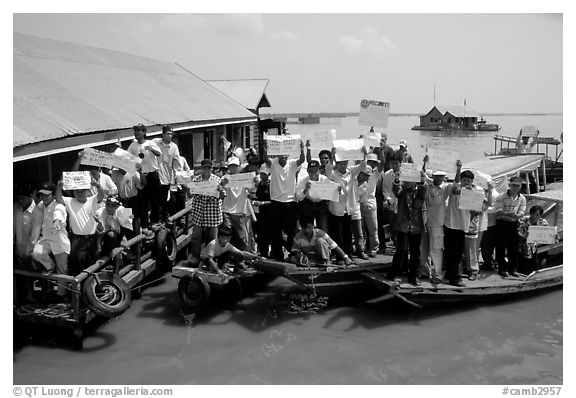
{"type": "Point", "coordinates": [509, 207]}
{"type": "Point", "coordinates": [345, 215]}
{"type": "Point", "coordinates": [405, 157]}
{"type": "Point", "coordinates": [235, 211]}
{"type": "Point", "coordinates": [488, 236]}
{"type": "Point", "coordinates": [387, 152]}
{"type": "Point", "coordinates": [168, 164]}
{"type": "Point", "coordinates": [27, 223]}
{"type": "Point", "coordinates": [478, 223]}
{"type": "Point", "coordinates": [283, 194]}
{"type": "Point", "coordinates": [148, 198]}
{"type": "Point", "coordinates": [325, 157]}
{"type": "Point", "coordinates": [390, 203]}
{"type": "Point", "coordinates": [54, 238]}
{"type": "Point", "coordinates": [263, 203]}
{"type": "Point", "coordinates": [81, 210]}
{"type": "Point", "coordinates": [206, 213]}
{"type": "Point", "coordinates": [315, 208]}
{"type": "Point", "coordinates": [456, 224]}
{"type": "Point", "coordinates": [368, 203]}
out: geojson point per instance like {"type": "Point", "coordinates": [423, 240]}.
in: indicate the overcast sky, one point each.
{"type": "Point", "coordinates": [328, 62]}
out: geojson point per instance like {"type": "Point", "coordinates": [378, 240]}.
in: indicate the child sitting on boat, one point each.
{"type": "Point", "coordinates": [527, 260]}
{"type": "Point", "coordinates": [220, 251]}
{"type": "Point", "coordinates": [314, 245]}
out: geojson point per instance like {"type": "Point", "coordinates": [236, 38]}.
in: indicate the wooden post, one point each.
{"type": "Point", "coordinates": [537, 180]}
{"type": "Point", "coordinates": [544, 173]}
{"type": "Point", "coordinates": [527, 176]}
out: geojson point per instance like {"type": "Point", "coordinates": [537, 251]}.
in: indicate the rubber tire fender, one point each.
{"type": "Point", "coordinates": [166, 247]}
{"type": "Point", "coordinates": [110, 285]}
{"type": "Point", "coordinates": [200, 285]}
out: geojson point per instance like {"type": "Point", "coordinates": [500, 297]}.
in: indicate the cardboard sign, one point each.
{"type": "Point", "coordinates": [410, 172]}
{"type": "Point", "coordinates": [184, 177]}
{"type": "Point", "coordinates": [125, 217]}
{"type": "Point", "coordinates": [94, 157]}
{"type": "Point", "coordinates": [471, 199]}
{"type": "Point", "coordinates": [209, 188]}
{"type": "Point", "coordinates": [326, 190]}
{"type": "Point", "coordinates": [372, 139]}
{"type": "Point", "coordinates": [442, 160]}
{"type": "Point", "coordinates": [283, 145]}
{"type": "Point", "coordinates": [541, 234]}
{"type": "Point", "coordinates": [374, 113]}
{"type": "Point", "coordinates": [319, 140]}
{"type": "Point", "coordinates": [240, 180]}
{"type": "Point", "coordinates": [76, 180]}
{"type": "Point", "coordinates": [349, 149]}
{"type": "Point", "coordinates": [125, 160]}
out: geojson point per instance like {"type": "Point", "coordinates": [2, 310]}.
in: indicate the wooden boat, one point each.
{"type": "Point", "coordinates": [491, 287]}
{"type": "Point", "coordinates": [199, 289]}
{"type": "Point", "coordinates": [337, 282]}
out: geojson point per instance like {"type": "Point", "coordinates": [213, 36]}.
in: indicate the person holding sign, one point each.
{"type": "Point", "coordinates": [148, 195]}
{"type": "Point", "coordinates": [54, 241]}
{"type": "Point", "coordinates": [206, 211]}
{"type": "Point", "coordinates": [527, 261]}
{"type": "Point", "coordinates": [409, 227]}
{"type": "Point", "coordinates": [283, 194]}
{"type": "Point", "coordinates": [310, 206]}
{"type": "Point", "coordinates": [235, 210]}
{"type": "Point", "coordinates": [82, 209]}
{"type": "Point", "coordinates": [263, 203]}
{"type": "Point", "coordinates": [509, 208]}
{"type": "Point", "coordinates": [390, 203]}
{"type": "Point", "coordinates": [345, 215]}
{"type": "Point", "coordinates": [367, 181]}
{"type": "Point", "coordinates": [325, 157]}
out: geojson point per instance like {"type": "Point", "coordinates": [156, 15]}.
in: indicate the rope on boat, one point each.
{"type": "Point", "coordinates": [57, 310]}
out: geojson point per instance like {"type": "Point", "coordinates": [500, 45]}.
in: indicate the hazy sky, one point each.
{"type": "Point", "coordinates": [328, 62]}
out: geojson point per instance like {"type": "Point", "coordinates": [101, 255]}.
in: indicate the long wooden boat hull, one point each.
{"type": "Point", "coordinates": [491, 288]}
{"type": "Point", "coordinates": [333, 281]}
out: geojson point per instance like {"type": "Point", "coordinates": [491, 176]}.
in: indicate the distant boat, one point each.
{"type": "Point", "coordinates": [454, 118]}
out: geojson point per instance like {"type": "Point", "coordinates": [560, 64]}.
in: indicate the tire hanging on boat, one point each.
{"type": "Point", "coordinates": [166, 247]}
{"type": "Point", "coordinates": [194, 291]}
{"type": "Point", "coordinates": [106, 294]}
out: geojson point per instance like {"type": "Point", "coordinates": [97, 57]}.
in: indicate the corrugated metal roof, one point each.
{"type": "Point", "coordinates": [63, 89]}
{"type": "Point", "coordinates": [458, 111]}
{"type": "Point", "coordinates": [248, 92]}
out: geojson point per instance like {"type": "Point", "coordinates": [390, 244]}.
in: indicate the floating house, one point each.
{"type": "Point", "coordinates": [453, 118]}
{"type": "Point", "coordinates": [68, 97]}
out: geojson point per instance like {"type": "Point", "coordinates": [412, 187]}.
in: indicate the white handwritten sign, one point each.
{"type": "Point", "coordinates": [125, 160]}
{"type": "Point", "coordinates": [94, 157]}
{"type": "Point", "coordinates": [319, 140]}
{"type": "Point", "coordinates": [542, 234]}
{"type": "Point", "coordinates": [76, 180]}
{"type": "Point", "coordinates": [349, 149]}
{"type": "Point", "coordinates": [442, 160]}
{"type": "Point", "coordinates": [374, 113]}
{"type": "Point", "coordinates": [240, 180]}
{"type": "Point", "coordinates": [471, 199]}
{"type": "Point", "coordinates": [184, 177]}
{"type": "Point", "coordinates": [326, 190]}
{"type": "Point", "coordinates": [410, 172]}
{"type": "Point", "coordinates": [283, 145]}
{"type": "Point", "coordinates": [209, 188]}
{"type": "Point", "coordinates": [372, 139]}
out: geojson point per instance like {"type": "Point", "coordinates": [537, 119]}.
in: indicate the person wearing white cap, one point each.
{"type": "Point", "coordinates": [345, 215]}
{"type": "Point", "coordinates": [264, 205]}
{"type": "Point", "coordinates": [283, 173]}
{"type": "Point", "coordinates": [403, 150]}
{"type": "Point", "coordinates": [309, 205]}
{"type": "Point", "coordinates": [235, 210]}
{"type": "Point", "coordinates": [367, 182]}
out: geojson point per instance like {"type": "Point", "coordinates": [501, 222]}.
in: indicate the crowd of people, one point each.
{"type": "Point", "coordinates": [280, 217]}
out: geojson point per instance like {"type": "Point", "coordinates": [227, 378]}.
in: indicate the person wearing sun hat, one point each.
{"type": "Point", "coordinates": [403, 151]}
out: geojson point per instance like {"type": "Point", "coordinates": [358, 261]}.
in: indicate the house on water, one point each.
{"type": "Point", "coordinates": [449, 118]}
{"type": "Point", "coordinates": [68, 97]}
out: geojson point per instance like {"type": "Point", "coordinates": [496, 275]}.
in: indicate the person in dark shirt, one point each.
{"type": "Point", "coordinates": [264, 218]}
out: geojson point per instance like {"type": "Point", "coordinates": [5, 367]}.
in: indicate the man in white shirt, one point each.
{"type": "Point", "coordinates": [309, 206]}
{"type": "Point", "coordinates": [81, 209]}
{"type": "Point", "coordinates": [235, 210]}
{"type": "Point", "coordinates": [390, 204]}
{"type": "Point", "coordinates": [367, 198]}
{"type": "Point", "coordinates": [148, 195]}
{"type": "Point", "coordinates": [283, 194]}
{"type": "Point", "coordinates": [168, 164]}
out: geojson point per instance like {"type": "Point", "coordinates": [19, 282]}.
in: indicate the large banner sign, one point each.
{"type": "Point", "coordinates": [319, 140]}
{"type": "Point", "coordinates": [349, 149]}
{"type": "Point", "coordinates": [209, 188]}
{"type": "Point", "coordinates": [374, 113]}
{"type": "Point", "coordinates": [442, 160]}
{"type": "Point", "coordinates": [240, 180]}
{"type": "Point", "coordinates": [327, 190]}
{"type": "Point", "coordinates": [283, 145]}
{"type": "Point", "coordinates": [542, 234]}
{"type": "Point", "coordinates": [410, 172]}
{"type": "Point", "coordinates": [76, 180]}
{"type": "Point", "coordinates": [471, 199]}
{"type": "Point", "coordinates": [94, 157]}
